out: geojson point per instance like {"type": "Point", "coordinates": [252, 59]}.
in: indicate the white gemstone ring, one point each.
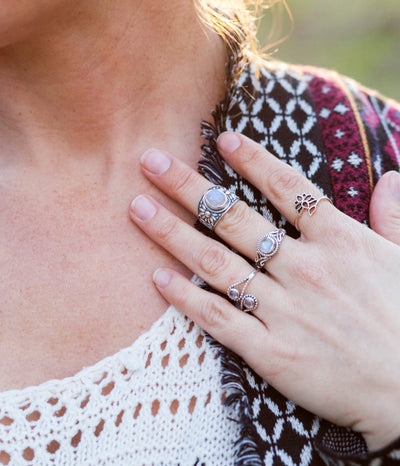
{"type": "Point", "coordinates": [214, 204]}
{"type": "Point", "coordinates": [268, 246]}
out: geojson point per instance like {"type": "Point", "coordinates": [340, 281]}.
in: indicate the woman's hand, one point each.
{"type": "Point", "coordinates": [326, 330]}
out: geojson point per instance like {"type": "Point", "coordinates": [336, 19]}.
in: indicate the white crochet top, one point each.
{"type": "Point", "coordinates": [158, 402]}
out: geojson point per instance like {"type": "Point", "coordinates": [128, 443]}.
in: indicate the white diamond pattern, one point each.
{"type": "Point", "coordinates": [295, 117]}
{"type": "Point", "coordinates": [325, 113]}
{"type": "Point", "coordinates": [352, 192]}
{"type": "Point", "coordinates": [337, 164]}
{"type": "Point", "coordinates": [342, 109]}
{"type": "Point", "coordinates": [354, 159]}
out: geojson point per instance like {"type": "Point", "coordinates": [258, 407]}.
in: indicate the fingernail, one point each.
{"type": "Point", "coordinates": [161, 278]}
{"type": "Point", "coordinates": [228, 142]}
{"type": "Point", "coordinates": [143, 208]}
{"type": "Point", "coordinates": [155, 161]}
{"type": "Point", "coordinates": [394, 185]}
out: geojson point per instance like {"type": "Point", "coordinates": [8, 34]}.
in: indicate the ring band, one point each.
{"type": "Point", "coordinates": [268, 246]}
{"type": "Point", "coordinates": [306, 202]}
{"type": "Point", "coordinates": [214, 204]}
{"type": "Point", "coordinates": [247, 302]}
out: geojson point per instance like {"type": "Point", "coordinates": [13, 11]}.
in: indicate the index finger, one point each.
{"type": "Point", "coordinates": [279, 182]}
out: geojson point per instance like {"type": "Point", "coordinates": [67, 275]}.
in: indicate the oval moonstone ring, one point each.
{"type": "Point", "coordinates": [268, 245]}
{"type": "Point", "coordinates": [214, 204]}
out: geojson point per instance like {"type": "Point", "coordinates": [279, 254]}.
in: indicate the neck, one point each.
{"type": "Point", "coordinates": [101, 75]}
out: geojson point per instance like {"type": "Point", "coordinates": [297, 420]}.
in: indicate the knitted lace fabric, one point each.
{"type": "Point", "coordinates": [158, 402]}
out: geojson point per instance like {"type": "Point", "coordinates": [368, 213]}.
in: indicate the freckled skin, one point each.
{"type": "Point", "coordinates": [85, 89]}
{"type": "Point", "coordinates": [22, 19]}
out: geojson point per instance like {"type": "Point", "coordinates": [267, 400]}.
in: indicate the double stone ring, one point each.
{"type": "Point", "coordinates": [267, 247]}
{"type": "Point", "coordinates": [247, 302]}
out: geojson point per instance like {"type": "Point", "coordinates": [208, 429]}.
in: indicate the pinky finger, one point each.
{"type": "Point", "coordinates": [240, 332]}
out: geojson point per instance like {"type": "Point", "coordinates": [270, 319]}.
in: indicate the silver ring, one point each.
{"type": "Point", "coordinates": [268, 246]}
{"type": "Point", "coordinates": [306, 202]}
{"type": "Point", "coordinates": [247, 302]}
{"type": "Point", "coordinates": [214, 204]}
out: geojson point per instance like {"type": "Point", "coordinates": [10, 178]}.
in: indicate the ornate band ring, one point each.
{"type": "Point", "coordinates": [214, 204]}
{"type": "Point", "coordinates": [306, 202]}
{"type": "Point", "coordinates": [268, 246]}
{"type": "Point", "coordinates": [247, 302]}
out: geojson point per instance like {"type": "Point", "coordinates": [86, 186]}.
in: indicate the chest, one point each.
{"type": "Point", "coordinates": [76, 286]}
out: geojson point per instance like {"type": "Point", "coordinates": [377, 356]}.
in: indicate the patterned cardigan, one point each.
{"type": "Point", "coordinates": [343, 138]}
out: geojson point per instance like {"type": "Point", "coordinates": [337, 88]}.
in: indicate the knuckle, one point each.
{"type": "Point", "coordinates": [184, 180]}
{"type": "Point", "coordinates": [283, 181]}
{"type": "Point", "coordinates": [350, 240]}
{"type": "Point", "coordinates": [312, 271]}
{"type": "Point", "coordinates": [214, 260]}
{"type": "Point", "coordinates": [252, 156]}
{"type": "Point", "coordinates": [181, 301]}
{"type": "Point", "coordinates": [234, 220]}
{"type": "Point", "coordinates": [212, 312]}
{"type": "Point", "coordinates": [283, 354]}
{"type": "Point", "coordinates": [372, 249]}
{"type": "Point", "coordinates": [342, 236]}
{"type": "Point", "coordinates": [167, 229]}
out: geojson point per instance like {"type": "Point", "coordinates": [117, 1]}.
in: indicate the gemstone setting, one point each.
{"type": "Point", "coordinates": [214, 204]}
{"type": "Point", "coordinates": [250, 302]}
{"type": "Point", "coordinates": [216, 199]}
{"type": "Point", "coordinates": [268, 245]}
{"type": "Point", "coordinates": [233, 294]}
{"type": "Point", "coordinates": [246, 302]}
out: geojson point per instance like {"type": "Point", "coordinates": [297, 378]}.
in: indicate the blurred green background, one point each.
{"type": "Point", "coordinates": [358, 38]}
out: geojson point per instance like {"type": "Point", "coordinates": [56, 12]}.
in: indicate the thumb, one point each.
{"type": "Point", "coordinates": [384, 212]}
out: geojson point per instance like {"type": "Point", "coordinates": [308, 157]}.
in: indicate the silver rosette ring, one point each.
{"type": "Point", "coordinates": [268, 246]}
{"type": "Point", "coordinates": [247, 302]}
{"type": "Point", "coordinates": [214, 204]}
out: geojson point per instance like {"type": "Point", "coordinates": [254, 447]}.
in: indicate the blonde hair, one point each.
{"type": "Point", "coordinates": [237, 20]}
